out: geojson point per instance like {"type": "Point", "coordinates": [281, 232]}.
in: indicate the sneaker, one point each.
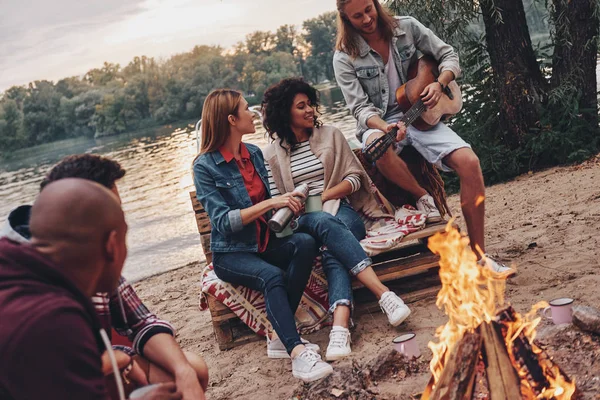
{"type": "Point", "coordinates": [426, 205]}
{"type": "Point", "coordinates": [339, 344]}
{"type": "Point", "coordinates": [276, 349]}
{"type": "Point", "coordinates": [394, 308]}
{"type": "Point", "coordinates": [495, 266]}
{"type": "Point", "coordinates": [309, 367]}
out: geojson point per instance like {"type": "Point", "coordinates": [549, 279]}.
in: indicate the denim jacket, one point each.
{"type": "Point", "coordinates": [363, 81]}
{"type": "Point", "coordinates": [221, 191]}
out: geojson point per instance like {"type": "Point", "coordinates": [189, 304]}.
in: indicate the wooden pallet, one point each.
{"type": "Point", "coordinates": [410, 259]}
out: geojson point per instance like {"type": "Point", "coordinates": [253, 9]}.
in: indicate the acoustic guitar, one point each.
{"type": "Point", "coordinates": [420, 74]}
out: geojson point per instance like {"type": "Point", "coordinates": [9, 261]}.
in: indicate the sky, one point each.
{"type": "Point", "coordinates": [54, 39]}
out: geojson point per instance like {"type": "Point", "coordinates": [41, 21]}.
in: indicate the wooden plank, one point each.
{"type": "Point", "coordinates": [196, 205]}
{"type": "Point", "coordinates": [503, 381]}
{"type": "Point", "coordinates": [205, 241]}
{"type": "Point", "coordinates": [203, 223]}
{"type": "Point", "coordinates": [402, 267]}
{"type": "Point", "coordinates": [456, 381]}
{"type": "Point", "coordinates": [408, 298]}
{"type": "Point", "coordinates": [410, 289]}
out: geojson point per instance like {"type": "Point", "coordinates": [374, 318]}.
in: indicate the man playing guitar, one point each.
{"type": "Point", "coordinates": [374, 51]}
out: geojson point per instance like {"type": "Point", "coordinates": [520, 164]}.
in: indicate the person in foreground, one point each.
{"type": "Point", "coordinates": [231, 183]}
{"type": "Point", "coordinates": [155, 350]}
{"type": "Point", "coordinates": [374, 51]}
{"type": "Point", "coordinates": [305, 151]}
{"type": "Point", "coordinates": [50, 336]}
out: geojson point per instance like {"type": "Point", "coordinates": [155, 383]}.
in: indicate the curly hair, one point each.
{"type": "Point", "coordinates": [276, 108]}
{"type": "Point", "coordinates": [92, 167]}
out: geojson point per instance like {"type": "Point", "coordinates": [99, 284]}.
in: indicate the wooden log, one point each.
{"type": "Point", "coordinates": [456, 381]}
{"type": "Point", "coordinates": [530, 362]}
{"type": "Point", "coordinates": [523, 353]}
{"type": "Point", "coordinates": [503, 380]}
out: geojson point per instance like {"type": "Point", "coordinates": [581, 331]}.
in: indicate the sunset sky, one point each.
{"type": "Point", "coordinates": [42, 39]}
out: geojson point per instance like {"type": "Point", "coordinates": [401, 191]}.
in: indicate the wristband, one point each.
{"type": "Point", "coordinates": [441, 84]}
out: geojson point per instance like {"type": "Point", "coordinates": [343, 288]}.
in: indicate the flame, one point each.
{"type": "Point", "coordinates": [471, 295]}
{"type": "Point", "coordinates": [479, 201]}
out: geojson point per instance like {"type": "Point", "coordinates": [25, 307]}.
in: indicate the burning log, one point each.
{"type": "Point", "coordinates": [505, 383]}
{"type": "Point", "coordinates": [456, 382]}
{"type": "Point", "coordinates": [536, 367]}
{"type": "Point", "coordinates": [495, 357]}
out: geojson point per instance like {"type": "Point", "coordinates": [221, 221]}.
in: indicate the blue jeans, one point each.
{"type": "Point", "coordinates": [344, 255]}
{"type": "Point", "coordinates": [281, 273]}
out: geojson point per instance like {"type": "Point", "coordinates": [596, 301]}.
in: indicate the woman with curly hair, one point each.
{"type": "Point", "coordinates": [231, 183]}
{"type": "Point", "coordinates": [306, 151]}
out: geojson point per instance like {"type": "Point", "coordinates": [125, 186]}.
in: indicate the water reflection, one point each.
{"type": "Point", "coordinates": [162, 228]}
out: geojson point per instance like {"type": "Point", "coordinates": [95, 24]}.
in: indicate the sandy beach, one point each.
{"type": "Point", "coordinates": [546, 224]}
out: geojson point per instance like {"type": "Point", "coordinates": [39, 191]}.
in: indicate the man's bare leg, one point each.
{"type": "Point", "coordinates": [472, 194]}
{"type": "Point", "coordinates": [394, 169]}
{"type": "Point", "coordinates": [155, 374]}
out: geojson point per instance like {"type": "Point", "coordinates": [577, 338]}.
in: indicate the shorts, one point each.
{"type": "Point", "coordinates": [433, 145]}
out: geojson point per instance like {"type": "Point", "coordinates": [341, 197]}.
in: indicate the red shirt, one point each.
{"type": "Point", "coordinates": [256, 190]}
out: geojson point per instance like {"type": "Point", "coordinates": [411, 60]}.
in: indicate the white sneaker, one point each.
{"type": "Point", "coordinates": [309, 367]}
{"type": "Point", "coordinates": [276, 349]}
{"type": "Point", "coordinates": [394, 308]}
{"type": "Point", "coordinates": [339, 344]}
{"type": "Point", "coordinates": [495, 266]}
{"type": "Point", "coordinates": [426, 204]}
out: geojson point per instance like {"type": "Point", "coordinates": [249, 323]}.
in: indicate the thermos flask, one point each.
{"type": "Point", "coordinates": [284, 215]}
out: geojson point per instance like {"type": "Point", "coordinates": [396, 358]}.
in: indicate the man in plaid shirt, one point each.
{"type": "Point", "coordinates": [155, 351]}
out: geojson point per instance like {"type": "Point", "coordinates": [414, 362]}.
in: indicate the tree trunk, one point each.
{"type": "Point", "coordinates": [517, 75]}
{"type": "Point", "coordinates": [576, 52]}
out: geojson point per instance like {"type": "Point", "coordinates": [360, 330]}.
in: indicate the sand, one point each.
{"type": "Point", "coordinates": [546, 224]}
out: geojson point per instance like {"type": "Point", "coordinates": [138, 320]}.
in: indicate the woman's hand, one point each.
{"type": "Point", "coordinates": [288, 200]}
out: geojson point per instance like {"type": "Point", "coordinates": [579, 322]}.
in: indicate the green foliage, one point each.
{"type": "Point", "coordinates": [320, 35]}
{"type": "Point", "coordinates": [113, 99]}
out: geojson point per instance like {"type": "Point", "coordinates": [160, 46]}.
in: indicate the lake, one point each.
{"type": "Point", "coordinates": [155, 190]}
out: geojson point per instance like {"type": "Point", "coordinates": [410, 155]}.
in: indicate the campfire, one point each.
{"type": "Point", "coordinates": [486, 350]}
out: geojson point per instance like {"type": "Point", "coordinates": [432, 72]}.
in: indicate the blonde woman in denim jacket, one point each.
{"type": "Point", "coordinates": [231, 183]}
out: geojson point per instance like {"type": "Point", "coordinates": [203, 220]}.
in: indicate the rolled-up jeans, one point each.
{"type": "Point", "coordinates": [344, 255]}
{"type": "Point", "coordinates": [281, 273]}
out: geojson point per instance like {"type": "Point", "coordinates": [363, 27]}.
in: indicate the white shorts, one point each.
{"type": "Point", "coordinates": [433, 145]}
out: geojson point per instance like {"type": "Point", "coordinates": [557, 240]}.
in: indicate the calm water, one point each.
{"type": "Point", "coordinates": [155, 190]}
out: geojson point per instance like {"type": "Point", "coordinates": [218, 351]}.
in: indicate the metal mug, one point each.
{"type": "Point", "coordinates": [407, 345]}
{"type": "Point", "coordinates": [313, 203]}
{"type": "Point", "coordinates": [560, 311]}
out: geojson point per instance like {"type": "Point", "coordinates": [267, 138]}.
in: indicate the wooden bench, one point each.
{"type": "Point", "coordinates": [412, 259]}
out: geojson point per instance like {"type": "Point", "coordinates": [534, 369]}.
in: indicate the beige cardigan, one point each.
{"type": "Point", "coordinates": [330, 146]}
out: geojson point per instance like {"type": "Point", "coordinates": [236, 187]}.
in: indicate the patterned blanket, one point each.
{"type": "Point", "coordinates": [312, 314]}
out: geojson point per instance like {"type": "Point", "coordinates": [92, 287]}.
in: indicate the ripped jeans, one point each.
{"type": "Point", "coordinates": [344, 255]}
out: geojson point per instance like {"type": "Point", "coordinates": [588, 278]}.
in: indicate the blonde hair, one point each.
{"type": "Point", "coordinates": [347, 35]}
{"type": "Point", "coordinates": [218, 106]}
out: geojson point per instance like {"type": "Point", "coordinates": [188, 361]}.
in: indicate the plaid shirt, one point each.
{"type": "Point", "coordinates": [124, 311]}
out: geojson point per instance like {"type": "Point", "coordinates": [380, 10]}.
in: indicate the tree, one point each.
{"type": "Point", "coordinates": [522, 90]}
{"type": "Point", "coordinates": [260, 42]}
{"type": "Point", "coordinates": [103, 76]}
{"type": "Point", "coordinates": [519, 81]}
{"type": "Point", "coordinates": [41, 108]}
{"type": "Point", "coordinates": [320, 33]}
{"type": "Point", "coordinates": [576, 53]}
{"type": "Point", "coordinates": [11, 125]}
{"type": "Point", "coordinates": [286, 39]}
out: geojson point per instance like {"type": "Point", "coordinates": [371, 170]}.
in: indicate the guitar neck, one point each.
{"type": "Point", "coordinates": [410, 116]}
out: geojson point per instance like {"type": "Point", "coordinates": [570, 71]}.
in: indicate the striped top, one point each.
{"type": "Point", "coordinates": [307, 168]}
